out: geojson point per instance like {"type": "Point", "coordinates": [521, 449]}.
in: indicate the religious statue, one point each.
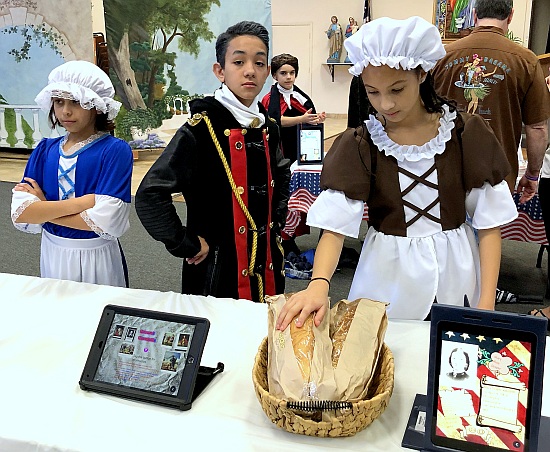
{"type": "Point", "coordinates": [336, 38]}
{"type": "Point", "coordinates": [351, 28]}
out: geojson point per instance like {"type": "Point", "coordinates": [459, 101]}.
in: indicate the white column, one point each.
{"type": "Point", "coordinates": [36, 135]}
{"type": "Point", "coordinates": [3, 130]}
{"type": "Point", "coordinates": [19, 134]}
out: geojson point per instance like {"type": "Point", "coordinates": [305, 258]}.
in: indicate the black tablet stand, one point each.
{"type": "Point", "coordinates": [204, 376]}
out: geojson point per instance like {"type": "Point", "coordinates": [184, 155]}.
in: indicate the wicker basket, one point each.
{"type": "Point", "coordinates": [348, 423]}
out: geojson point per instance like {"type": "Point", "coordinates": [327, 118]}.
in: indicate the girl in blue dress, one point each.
{"type": "Point", "coordinates": [76, 188]}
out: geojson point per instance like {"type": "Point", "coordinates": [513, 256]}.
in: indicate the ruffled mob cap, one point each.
{"type": "Point", "coordinates": [81, 81]}
{"type": "Point", "coordinates": [396, 43]}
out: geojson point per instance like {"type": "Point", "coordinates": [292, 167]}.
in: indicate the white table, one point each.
{"type": "Point", "coordinates": [46, 330]}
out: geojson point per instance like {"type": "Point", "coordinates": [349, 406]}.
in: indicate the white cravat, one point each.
{"type": "Point", "coordinates": [244, 115]}
{"type": "Point", "coordinates": [287, 93]}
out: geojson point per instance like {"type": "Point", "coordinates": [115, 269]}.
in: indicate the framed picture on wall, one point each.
{"type": "Point", "coordinates": [453, 18]}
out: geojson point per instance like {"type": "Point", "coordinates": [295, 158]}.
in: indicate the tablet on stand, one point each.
{"type": "Point", "coordinates": [485, 382]}
{"type": "Point", "coordinates": [149, 356]}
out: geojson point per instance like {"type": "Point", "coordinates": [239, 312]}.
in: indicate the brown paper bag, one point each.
{"type": "Point", "coordinates": [299, 358]}
{"type": "Point", "coordinates": [357, 331]}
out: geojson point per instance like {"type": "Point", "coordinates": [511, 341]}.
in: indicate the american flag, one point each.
{"type": "Point", "coordinates": [304, 189]}
{"type": "Point", "coordinates": [529, 226]}
{"type": "Point", "coordinates": [501, 370]}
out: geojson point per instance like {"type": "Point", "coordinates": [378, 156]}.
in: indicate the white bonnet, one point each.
{"type": "Point", "coordinates": [396, 43]}
{"type": "Point", "coordinates": [82, 81]}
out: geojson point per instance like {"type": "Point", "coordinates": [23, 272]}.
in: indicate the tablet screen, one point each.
{"type": "Point", "coordinates": [484, 389]}
{"type": "Point", "coordinates": [147, 354]}
{"type": "Point", "coordinates": [310, 144]}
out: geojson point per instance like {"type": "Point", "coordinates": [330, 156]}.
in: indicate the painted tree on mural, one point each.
{"type": "Point", "coordinates": [125, 17]}
{"type": "Point", "coordinates": [182, 20]}
{"type": "Point", "coordinates": [159, 23]}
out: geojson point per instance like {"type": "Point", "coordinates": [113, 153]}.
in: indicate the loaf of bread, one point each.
{"type": "Point", "coordinates": [303, 343]}
{"type": "Point", "coordinates": [298, 366]}
{"type": "Point", "coordinates": [343, 316]}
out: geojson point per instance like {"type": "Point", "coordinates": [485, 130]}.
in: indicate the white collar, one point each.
{"type": "Point", "coordinates": [244, 115]}
{"type": "Point", "coordinates": [412, 153]}
{"type": "Point", "coordinates": [286, 93]}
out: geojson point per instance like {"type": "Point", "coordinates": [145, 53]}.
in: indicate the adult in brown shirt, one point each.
{"type": "Point", "coordinates": [488, 74]}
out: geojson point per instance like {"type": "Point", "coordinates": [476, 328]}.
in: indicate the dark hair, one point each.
{"type": "Point", "coordinates": [432, 101]}
{"type": "Point", "coordinates": [465, 355]}
{"type": "Point", "coordinates": [52, 119]}
{"type": "Point", "coordinates": [357, 102]}
{"type": "Point", "coordinates": [280, 60]}
{"type": "Point", "coordinates": [493, 9]}
{"type": "Point", "coordinates": [245, 28]}
{"type": "Point", "coordinates": [102, 124]}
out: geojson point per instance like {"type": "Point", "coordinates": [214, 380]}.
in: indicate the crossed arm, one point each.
{"type": "Point", "coordinates": [63, 213]}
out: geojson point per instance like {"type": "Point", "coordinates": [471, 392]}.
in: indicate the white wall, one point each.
{"type": "Point", "coordinates": [328, 96]}
{"type": "Point", "coordinates": [98, 17]}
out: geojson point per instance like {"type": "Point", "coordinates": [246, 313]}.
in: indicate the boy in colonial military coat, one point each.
{"type": "Point", "coordinates": [227, 163]}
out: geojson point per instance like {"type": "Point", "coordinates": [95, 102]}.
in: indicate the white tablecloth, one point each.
{"type": "Point", "coordinates": [46, 330]}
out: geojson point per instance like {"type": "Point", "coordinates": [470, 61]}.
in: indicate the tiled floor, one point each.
{"type": "Point", "coordinates": [12, 163]}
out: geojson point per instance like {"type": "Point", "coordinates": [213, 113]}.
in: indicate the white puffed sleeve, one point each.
{"type": "Point", "coordinates": [109, 218]}
{"type": "Point", "coordinates": [20, 200]}
{"type": "Point", "coordinates": [491, 206]}
{"type": "Point", "coordinates": [333, 211]}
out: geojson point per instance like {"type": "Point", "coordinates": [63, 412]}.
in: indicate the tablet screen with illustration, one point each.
{"type": "Point", "coordinates": [481, 384]}
{"type": "Point", "coordinates": [147, 354]}
{"type": "Point", "coordinates": [483, 390]}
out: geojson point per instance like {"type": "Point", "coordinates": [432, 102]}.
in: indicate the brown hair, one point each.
{"type": "Point", "coordinates": [279, 61]}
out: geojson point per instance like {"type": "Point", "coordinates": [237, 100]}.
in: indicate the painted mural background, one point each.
{"type": "Point", "coordinates": [35, 37]}
{"type": "Point", "coordinates": [161, 54]}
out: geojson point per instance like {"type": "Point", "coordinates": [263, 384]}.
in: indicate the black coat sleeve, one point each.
{"type": "Point", "coordinates": [171, 173]}
{"type": "Point", "coordinates": [281, 177]}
